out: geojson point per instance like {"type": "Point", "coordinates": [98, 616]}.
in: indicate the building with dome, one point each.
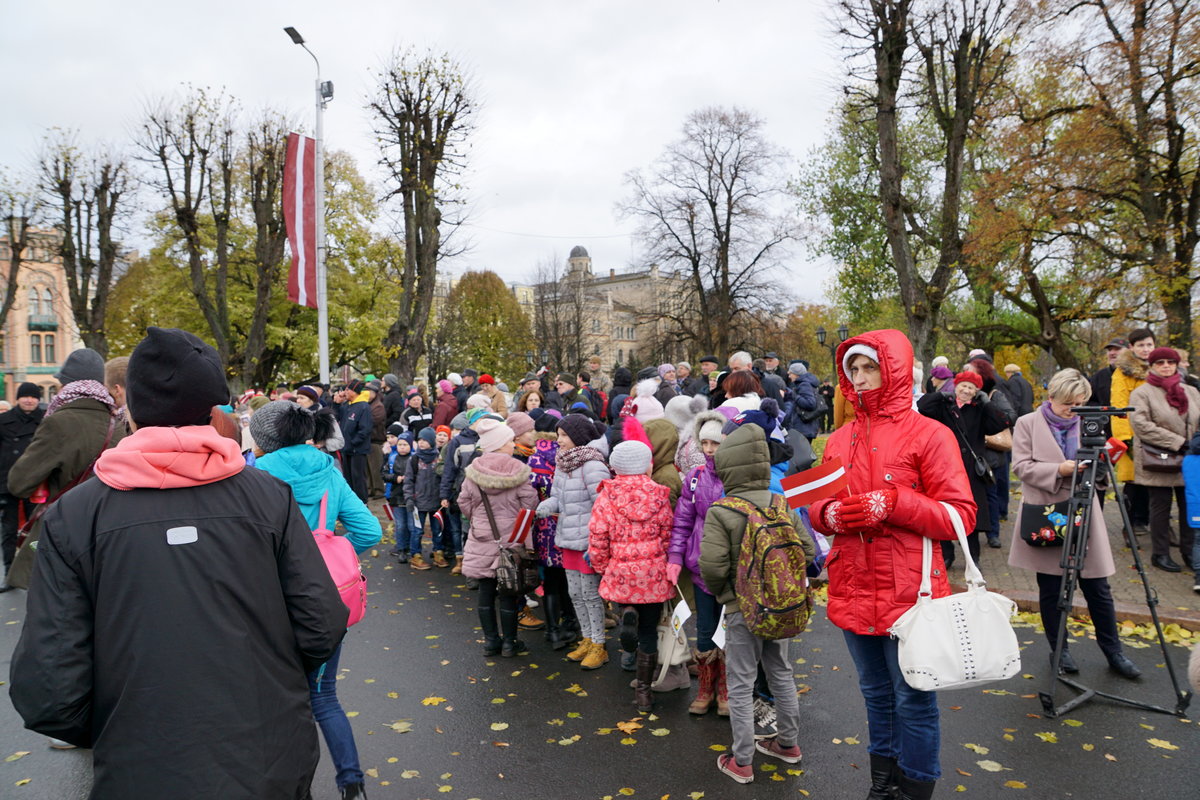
{"type": "Point", "coordinates": [621, 316]}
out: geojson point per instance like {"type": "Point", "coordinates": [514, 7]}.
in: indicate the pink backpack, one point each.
{"type": "Point", "coordinates": [343, 566]}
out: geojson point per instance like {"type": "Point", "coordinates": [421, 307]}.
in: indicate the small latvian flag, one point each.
{"type": "Point", "coordinates": [388, 512]}
{"type": "Point", "coordinates": [807, 487]}
{"type": "Point", "coordinates": [521, 526]}
{"type": "Point", "coordinates": [1116, 448]}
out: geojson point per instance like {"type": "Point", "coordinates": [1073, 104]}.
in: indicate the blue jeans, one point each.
{"type": "Point", "coordinates": [339, 738]}
{"type": "Point", "coordinates": [454, 525]}
{"type": "Point", "coordinates": [435, 530]}
{"type": "Point", "coordinates": [404, 528]}
{"type": "Point", "coordinates": [993, 495]}
{"type": "Point", "coordinates": [902, 721]}
{"type": "Point", "coordinates": [708, 611]}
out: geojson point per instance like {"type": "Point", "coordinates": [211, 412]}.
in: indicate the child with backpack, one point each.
{"type": "Point", "coordinates": [421, 495]}
{"type": "Point", "coordinates": [754, 554]}
{"type": "Point", "coordinates": [628, 536]}
{"type": "Point", "coordinates": [396, 453]}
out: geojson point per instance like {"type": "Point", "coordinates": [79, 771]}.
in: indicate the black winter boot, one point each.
{"type": "Point", "coordinates": [647, 663]}
{"type": "Point", "coordinates": [885, 773]}
{"type": "Point", "coordinates": [491, 631]}
{"type": "Point", "coordinates": [555, 635]}
{"type": "Point", "coordinates": [512, 645]}
{"type": "Point", "coordinates": [911, 789]}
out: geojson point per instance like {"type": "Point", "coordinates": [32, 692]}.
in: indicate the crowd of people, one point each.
{"type": "Point", "coordinates": [614, 487]}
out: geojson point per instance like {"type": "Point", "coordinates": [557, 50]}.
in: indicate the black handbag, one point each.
{"type": "Point", "coordinates": [517, 570]}
{"type": "Point", "coordinates": [1043, 525]}
{"type": "Point", "coordinates": [1158, 459]}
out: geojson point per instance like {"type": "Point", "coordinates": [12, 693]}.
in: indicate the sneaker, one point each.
{"type": "Point", "coordinates": [418, 562]}
{"type": "Point", "coordinates": [764, 719]}
{"type": "Point", "coordinates": [994, 542]}
{"type": "Point", "coordinates": [401, 556]}
{"type": "Point", "coordinates": [727, 764]}
{"type": "Point", "coordinates": [59, 744]}
{"type": "Point", "coordinates": [528, 621]}
{"type": "Point", "coordinates": [1196, 587]}
{"type": "Point", "coordinates": [627, 631]}
{"type": "Point", "coordinates": [772, 747]}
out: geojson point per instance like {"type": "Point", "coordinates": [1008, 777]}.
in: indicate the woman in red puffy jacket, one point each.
{"type": "Point", "coordinates": [902, 467]}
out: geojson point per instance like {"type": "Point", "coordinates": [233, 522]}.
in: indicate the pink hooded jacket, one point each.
{"type": "Point", "coordinates": [169, 458]}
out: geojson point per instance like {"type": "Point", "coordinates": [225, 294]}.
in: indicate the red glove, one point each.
{"type": "Point", "coordinates": [865, 512]}
{"type": "Point", "coordinates": [832, 515]}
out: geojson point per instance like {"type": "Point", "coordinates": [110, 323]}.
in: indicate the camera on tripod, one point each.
{"type": "Point", "coordinates": [1093, 423]}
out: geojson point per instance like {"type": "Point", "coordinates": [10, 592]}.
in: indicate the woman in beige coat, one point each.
{"type": "Point", "coordinates": [1166, 414]}
{"type": "Point", "coordinates": [1045, 443]}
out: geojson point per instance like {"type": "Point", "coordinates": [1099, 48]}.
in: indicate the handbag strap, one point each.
{"type": "Point", "coordinates": [324, 507]}
{"type": "Point", "coordinates": [971, 572]}
{"type": "Point", "coordinates": [491, 517]}
{"type": "Point", "coordinates": [962, 434]}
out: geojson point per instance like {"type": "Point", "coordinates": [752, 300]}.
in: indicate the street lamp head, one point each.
{"type": "Point", "coordinates": [326, 90]}
{"type": "Point", "coordinates": [843, 333]}
{"type": "Point", "coordinates": [821, 335]}
{"type": "Point", "coordinates": [295, 34]}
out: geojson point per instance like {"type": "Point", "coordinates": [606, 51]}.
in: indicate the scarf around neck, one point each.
{"type": "Point", "coordinates": [1173, 386]}
{"type": "Point", "coordinates": [1066, 431]}
{"type": "Point", "coordinates": [426, 455]}
{"type": "Point", "coordinates": [573, 459]}
{"type": "Point", "coordinates": [78, 389]}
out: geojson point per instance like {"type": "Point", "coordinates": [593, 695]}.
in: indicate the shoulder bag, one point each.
{"type": "Point", "coordinates": [1043, 525]}
{"type": "Point", "coordinates": [342, 562]}
{"type": "Point", "coordinates": [1159, 459]}
{"type": "Point", "coordinates": [516, 569]}
{"type": "Point", "coordinates": [1000, 442]}
{"type": "Point", "coordinates": [960, 640]}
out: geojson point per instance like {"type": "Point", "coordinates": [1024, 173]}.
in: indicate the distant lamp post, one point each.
{"type": "Point", "coordinates": [843, 334]}
{"type": "Point", "coordinates": [529, 358]}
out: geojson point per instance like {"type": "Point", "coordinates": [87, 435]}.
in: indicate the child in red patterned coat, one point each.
{"type": "Point", "coordinates": [628, 536]}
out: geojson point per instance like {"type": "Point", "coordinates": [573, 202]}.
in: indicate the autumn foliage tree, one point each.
{"type": "Point", "coordinates": [485, 327]}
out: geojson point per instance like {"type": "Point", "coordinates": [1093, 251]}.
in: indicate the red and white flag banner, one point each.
{"type": "Point", "coordinates": [300, 216]}
{"type": "Point", "coordinates": [807, 487]}
{"type": "Point", "coordinates": [522, 526]}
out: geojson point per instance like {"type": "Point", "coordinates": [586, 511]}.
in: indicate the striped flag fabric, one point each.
{"type": "Point", "coordinates": [300, 217]}
{"type": "Point", "coordinates": [807, 487]}
{"type": "Point", "coordinates": [522, 526]}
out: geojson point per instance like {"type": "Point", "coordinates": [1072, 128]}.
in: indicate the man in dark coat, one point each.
{"type": "Point", "coordinates": [17, 427]}
{"type": "Point", "coordinates": [379, 425]}
{"type": "Point", "coordinates": [357, 423]}
{"type": "Point", "coordinates": [177, 604]}
{"type": "Point", "coordinates": [1102, 380]}
{"type": "Point", "coordinates": [1018, 390]}
{"type": "Point", "coordinates": [393, 398]}
{"type": "Point", "coordinates": [79, 423]}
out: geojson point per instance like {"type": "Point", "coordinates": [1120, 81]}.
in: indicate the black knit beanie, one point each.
{"type": "Point", "coordinates": [174, 378]}
{"type": "Point", "coordinates": [29, 390]}
{"type": "Point", "coordinates": [581, 429]}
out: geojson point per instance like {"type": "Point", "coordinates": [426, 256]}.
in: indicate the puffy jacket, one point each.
{"type": "Point", "coordinates": [357, 424]}
{"type": "Point", "coordinates": [743, 464]}
{"type": "Point", "coordinates": [455, 462]}
{"type": "Point", "coordinates": [873, 577]}
{"type": "Point", "coordinates": [803, 396]}
{"type": "Point", "coordinates": [629, 533]}
{"type": "Point", "coordinates": [392, 472]}
{"type": "Point", "coordinates": [178, 601]}
{"type": "Point", "coordinates": [571, 497]}
{"type": "Point", "coordinates": [664, 439]}
{"type": "Point", "coordinates": [541, 477]}
{"type": "Point", "coordinates": [421, 484]}
{"type": "Point", "coordinates": [505, 481]}
{"type": "Point", "coordinates": [701, 488]}
{"type": "Point", "coordinates": [312, 475]}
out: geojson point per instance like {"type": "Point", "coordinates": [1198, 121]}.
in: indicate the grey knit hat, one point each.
{"type": "Point", "coordinates": [264, 425]}
{"type": "Point", "coordinates": [630, 458]}
{"type": "Point", "coordinates": [797, 368]}
{"type": "Point", "coordinates": [391, 381]}
{"type": "Point", "coordinates": [459, 423]}
{"type": "Point", "coordinates": [84, 364]}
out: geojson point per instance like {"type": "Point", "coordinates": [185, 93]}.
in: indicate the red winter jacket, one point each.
{"type": "Point", "coordinates": [874, 577]}
{"type": "Point", "coordinates": [628, 537]}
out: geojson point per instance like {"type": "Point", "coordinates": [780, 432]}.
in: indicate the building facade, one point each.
{"type": "Point", "coordinates": [39, 331]}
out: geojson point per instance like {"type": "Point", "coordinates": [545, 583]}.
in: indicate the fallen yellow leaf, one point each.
{"type": "Point", "coordinates": [1014, 784]}
{"type": "Point", "coordinates": [1163, 744]}
{"type": "Point", "coordinates": [660, 731]}
{"type": "Point", "coordinates": [372, 772]}
{"type": "Point", "coordinates": [499, 726]}
{"type": "Point", "coordinates": [717, 748]}
{"type": "Point", "coordinates": [18, 754]}
{"type": "Point", "coordinates": [410, 773]}
{"type": "Point", "coordinates": [1048, 736]}
{"type": "Point", "coordinates": [977, 748]}
{"type": "Point", "coordinates": [629, 740]}
{"type": "Point", "coordinates": [433, 701]}
{"type": "Point", "coordinates": [990, 766]}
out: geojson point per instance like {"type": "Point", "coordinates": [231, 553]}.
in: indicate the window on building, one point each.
{"type": "Point", "coordinates": [35, 302]}
{"type": "Point", "coordinates": [595, 326]}
{"type": "Point", "coordinates": [47, 304]}
{"type": "Point", "coordinates": [35, 349]}
{"type": "Point", "coordinates": [48, 348]}
{"type": "Point", "coordinates": [620, 356]}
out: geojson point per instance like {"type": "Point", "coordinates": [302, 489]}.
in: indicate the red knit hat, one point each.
{"type": "Point", "coordinates": [1163, 354]}
{"type": "Point", "coordinates": [972, 377]}
{"type": "Point", "coordinates": [485, 378]}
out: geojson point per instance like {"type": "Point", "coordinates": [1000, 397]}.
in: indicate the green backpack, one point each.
{"type": "Point", "coordinates": [771, 586]}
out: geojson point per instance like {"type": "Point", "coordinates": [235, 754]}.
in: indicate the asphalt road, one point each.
{"type": "Point", "coordinates": [539, 727]}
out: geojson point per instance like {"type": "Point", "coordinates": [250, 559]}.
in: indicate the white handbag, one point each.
{"type": "Point", "coordinates": [961, 640]}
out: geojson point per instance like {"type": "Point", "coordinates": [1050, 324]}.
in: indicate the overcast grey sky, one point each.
{"type": "Point", "coordinates": [573, 94]}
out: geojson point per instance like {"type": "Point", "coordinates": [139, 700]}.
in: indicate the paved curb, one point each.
{"type": "Point", "coordinates": [1139, 614]}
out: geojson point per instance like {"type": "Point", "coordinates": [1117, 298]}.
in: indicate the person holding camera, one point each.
{"type": "Point", "coordinates": [971, 416]}
{"type": "Point", "coordinates": [1045, 445]}
{"type": "Point", "coordinates": [1166, 414]}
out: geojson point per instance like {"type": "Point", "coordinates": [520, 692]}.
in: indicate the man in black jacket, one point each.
{"type": "Point", "coordinates": [17, 427]}
{"type": "Point", "coordinates": [1017, 389]}
{"type": "Point", "coordinates": [354, 416]}
{"type": "Point", "coordinates": [178, 600]}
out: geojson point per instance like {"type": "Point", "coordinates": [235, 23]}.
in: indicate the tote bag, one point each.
{"type": "Point", "coordinates": [960, 640]}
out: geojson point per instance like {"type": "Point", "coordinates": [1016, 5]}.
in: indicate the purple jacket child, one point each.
{"type": "Point", "coordinates": [701, 488]}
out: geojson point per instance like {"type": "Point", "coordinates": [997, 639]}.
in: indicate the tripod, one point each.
{"type": "Point", "coordinates": [1093, 452]}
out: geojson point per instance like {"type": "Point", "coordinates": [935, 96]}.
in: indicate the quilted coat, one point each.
{"type": "Point", "coordinates": [688, 528]}
{"type": "Point", "coordinates": [505, 481]}
{"type": "Point", "coordinates": [571, 497]}
{"type": "Point", "coordinates": [630, 529]}
{"type": "Point", "coordinates": [874, 576]}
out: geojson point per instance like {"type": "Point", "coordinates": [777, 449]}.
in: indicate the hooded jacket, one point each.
{"type": "Point", "coordinates": [874, 576]}
{"type": "Point", "coordinates": [505, 481]}
{"type": "Point", "coordinates": [664, 440]}
{"type": "Point", "coordinates": [571, 497]}
{"type": "Point", "coordinates": [178, 600]}
{"type": "Point", "coordinates": [803, 398]}
{"type": "Point", "coordinates": [455, 462]}
{"type": "Point", "coordinates": [421, 491]}
{"type": "Point", "coordinates": [312, 475]}
{"type": "Point", "coordinates": [357, 424]}
{"type": "Point", "coordinates": [628, 536]}
{"type": "Point", "coordinates": [743, 465]}
{"type": "Point", "coordinates": [701, 488]}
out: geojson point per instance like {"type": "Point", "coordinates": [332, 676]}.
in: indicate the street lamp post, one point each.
{"type": "Point", "coordinates": [324, 95]}
{"type": "Point", "coordinates": [843, 334]}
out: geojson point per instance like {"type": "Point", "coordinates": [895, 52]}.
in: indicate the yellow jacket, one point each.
{"type": "Point", "coordinates": [1130, 373]}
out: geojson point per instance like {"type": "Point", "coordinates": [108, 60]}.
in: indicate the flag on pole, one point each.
{"type": "Point", "coordinates": [807, 487]}
{"type": "Point", "coordinates": [300, 216]}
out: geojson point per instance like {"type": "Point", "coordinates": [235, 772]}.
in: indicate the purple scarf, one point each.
{"type": "Point", "coordinates": [1066, 431]}
{"type": "Point", "coordinates": [77, 389]}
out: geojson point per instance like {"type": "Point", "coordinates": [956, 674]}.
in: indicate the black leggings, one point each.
{"type": "Point", "coordinates": [1099, 602]}
{"type": "Point", "coordinates": [647, 625]}
{"type": "Point", "coordinates": [489, 598]}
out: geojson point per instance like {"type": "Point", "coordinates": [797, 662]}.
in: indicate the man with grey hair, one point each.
{"type": "Point", "coordinates": [688, 384]}
{"type": "Point", "coordinates": [740, 360]}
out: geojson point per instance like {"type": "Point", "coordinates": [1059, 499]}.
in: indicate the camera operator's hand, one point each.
{"type": "Point", "coordinates": [1067, 467]}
